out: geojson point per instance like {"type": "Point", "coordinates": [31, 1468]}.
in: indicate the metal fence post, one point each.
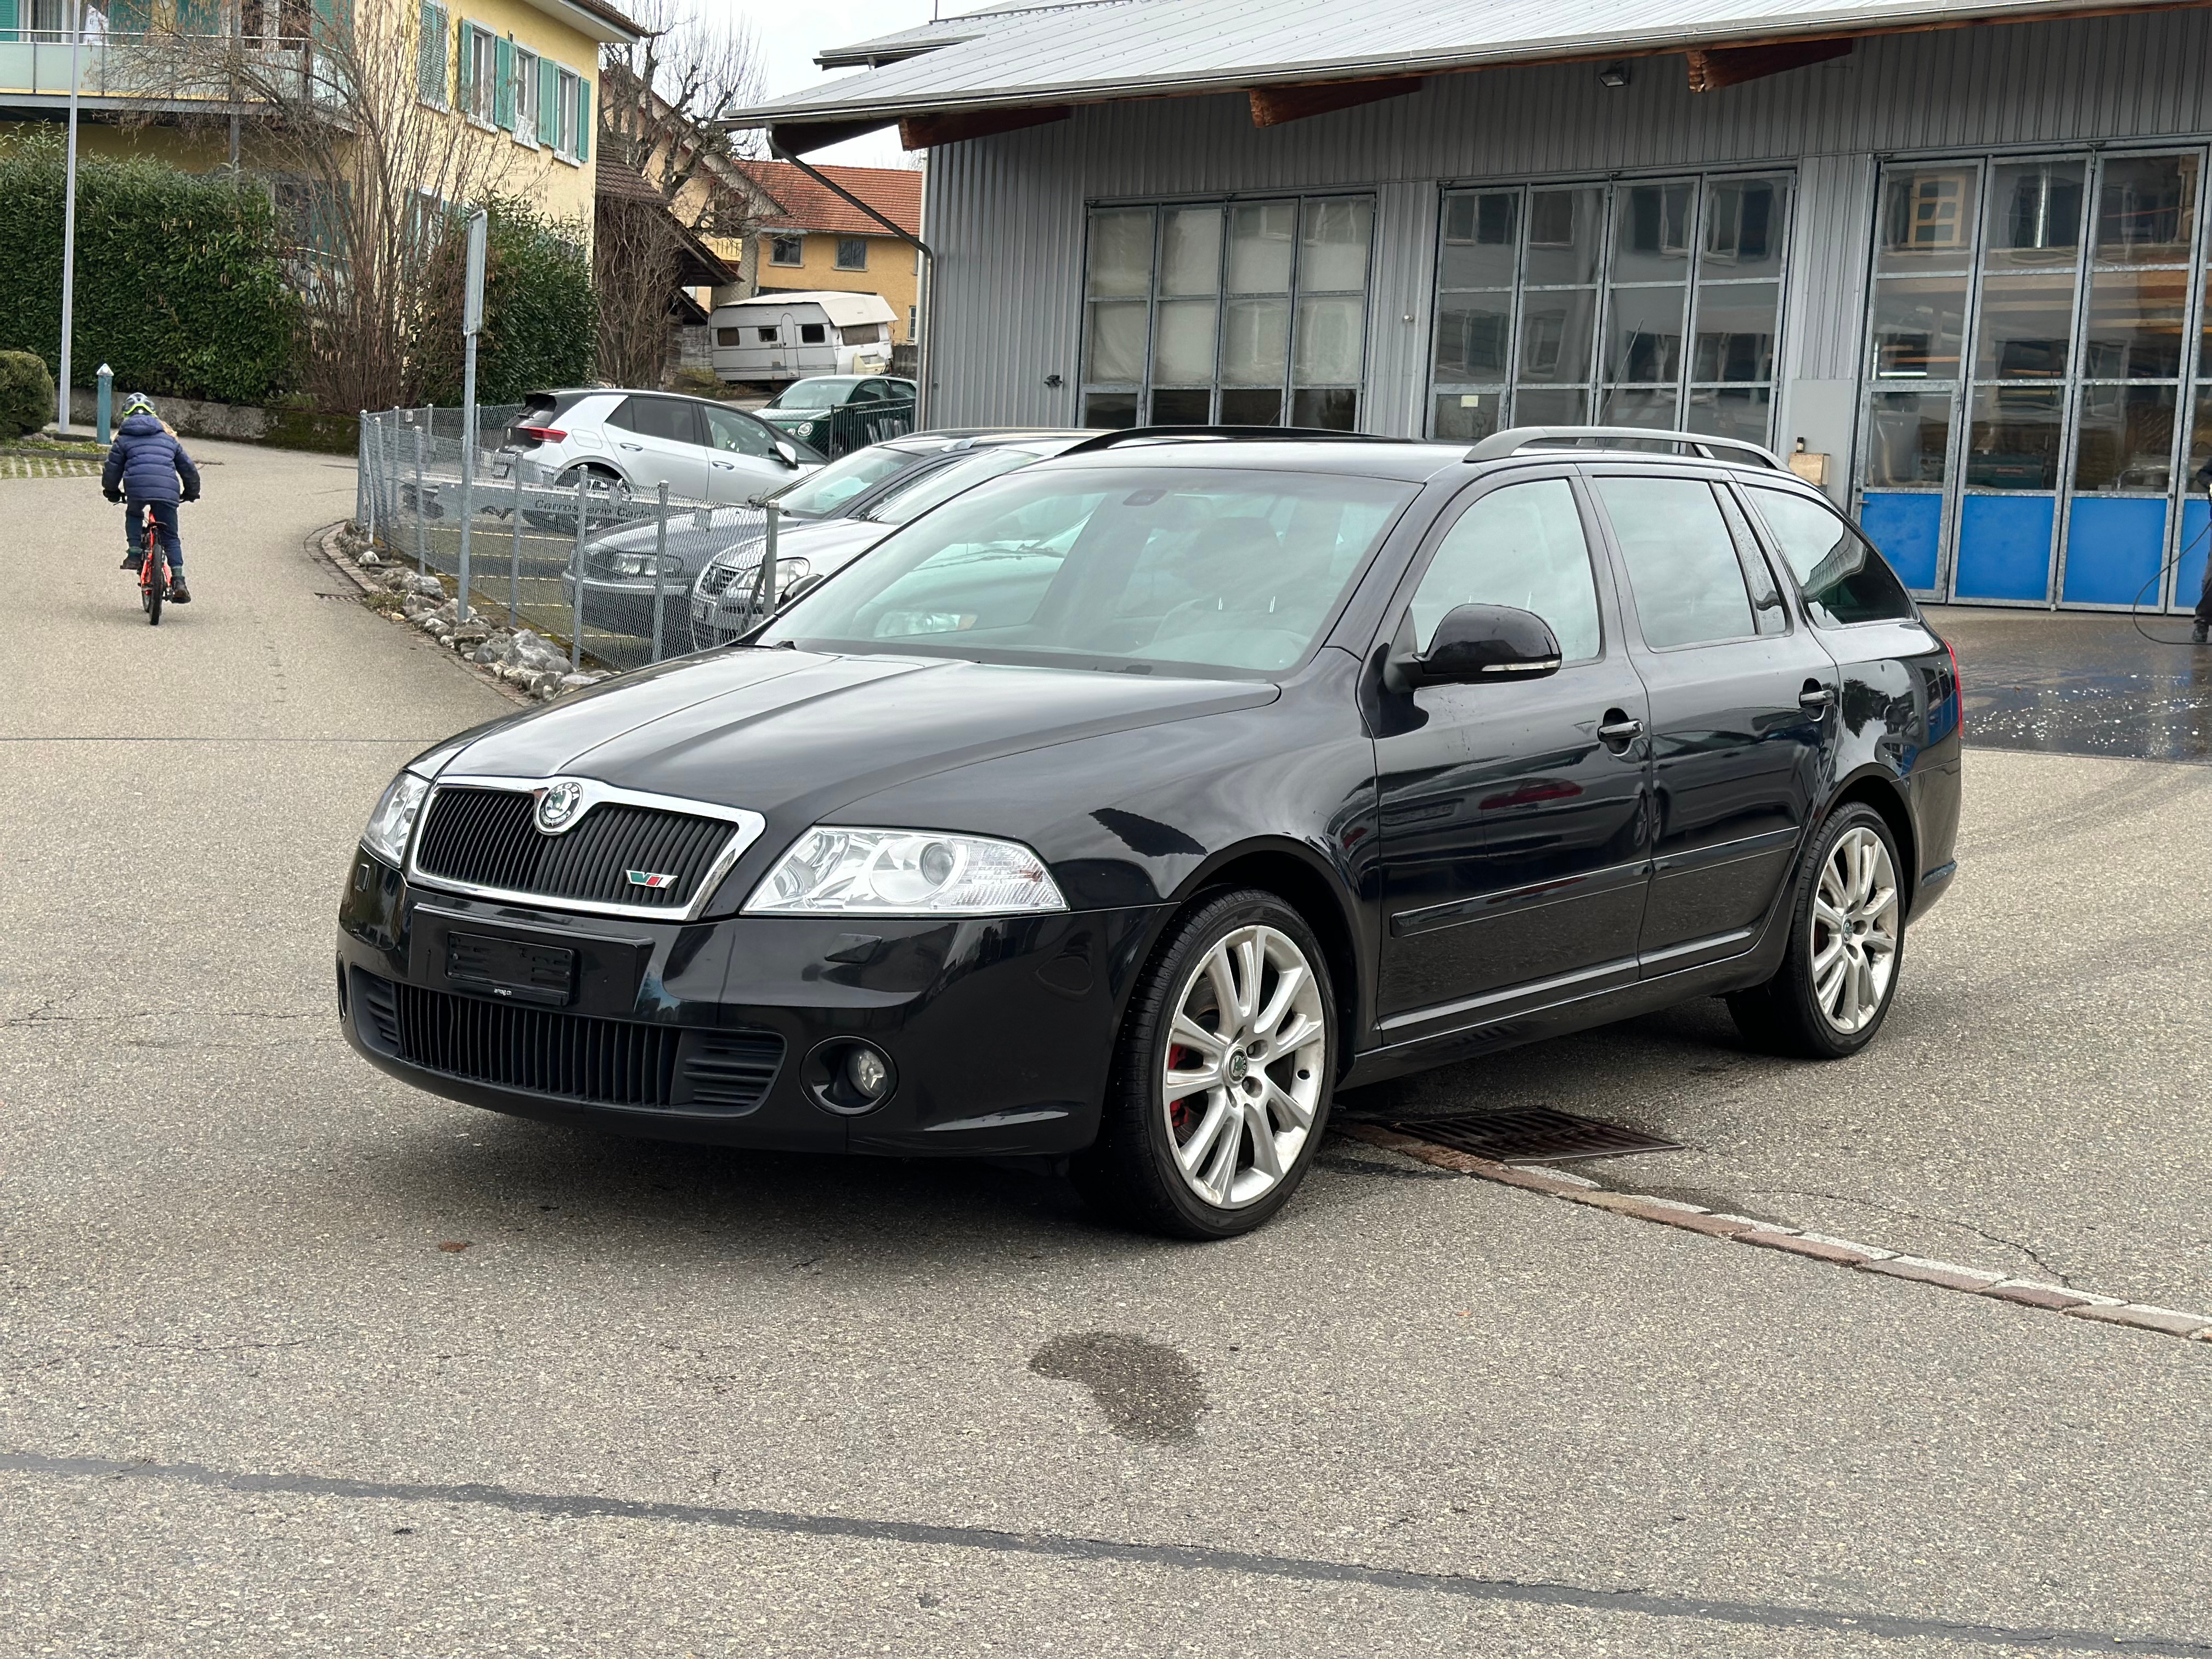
{"type": "Point", "coordinates": [576, 624]}
{"type": "Point", "coordinates": [468, 510]}
{"type": "Point", "coordinates": [763, 605]}
{"type": "Point", "coordinates": [364, 478]}
{"type": "Point", "coordinates": [514, 559]}
{"type": "Point", "coordinates": [659, 553]}
{"type": "Point", "coordinates": [422, 535]}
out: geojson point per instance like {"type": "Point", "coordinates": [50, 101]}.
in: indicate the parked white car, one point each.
{"type": "Point", "coordinates": [626, 444]}
{"type": "Point", "coordinates": [788, 337]}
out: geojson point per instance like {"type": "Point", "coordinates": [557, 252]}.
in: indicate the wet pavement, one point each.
{"type": "Point", "coordinates": [2071, 683]}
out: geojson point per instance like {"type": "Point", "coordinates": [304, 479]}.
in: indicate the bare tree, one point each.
{"type": "Point", "coordinates": [659, 102]}
{"type": "Point", "coordinates": [372, 173]}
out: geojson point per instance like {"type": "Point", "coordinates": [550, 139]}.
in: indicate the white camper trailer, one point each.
{"type": "Point", "coordinates": [774, 337]}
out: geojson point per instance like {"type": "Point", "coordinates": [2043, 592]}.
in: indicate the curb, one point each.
{"type": "Point", "coordinates": [1792, 1241]}
{"type": "Point", "coordinates": [322, 545]}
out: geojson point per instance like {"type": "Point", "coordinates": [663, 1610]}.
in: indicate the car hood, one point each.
{"type": "Point", "coordinates": [794, 735]}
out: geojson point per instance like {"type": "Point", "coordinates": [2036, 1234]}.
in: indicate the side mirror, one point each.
{"type": "Point", "coordinates": [786, 449]}
{"type": "Point", "coordinates": [804, 585]}
{"type": "Point", "coordinates": [1474, 643]}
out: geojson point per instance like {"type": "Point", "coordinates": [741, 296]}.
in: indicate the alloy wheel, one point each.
{"type": "Point", "coordinates": [1243, 1078]}
{"type": "Point", "coordinates": [1853, 934]}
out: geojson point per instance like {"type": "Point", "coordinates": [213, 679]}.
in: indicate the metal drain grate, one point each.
{"type": "Point", "coordinates": [1536, 1135]}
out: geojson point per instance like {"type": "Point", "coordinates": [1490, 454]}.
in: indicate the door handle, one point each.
{"type": "Point", "coordinates": [630, 446]}
{"type": "Point", "coordinates": [1816, 698]}
{"type": "Point", "coordinates": [727, 466]}
{"type": "Point", "coordinates": [1620, 728]}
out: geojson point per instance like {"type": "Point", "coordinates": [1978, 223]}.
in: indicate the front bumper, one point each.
{"type": "Point", "coordinates": [1001, 1030]}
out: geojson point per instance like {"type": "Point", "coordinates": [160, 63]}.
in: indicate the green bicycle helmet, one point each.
{"type": "Point", "coordinates": [139, 403]}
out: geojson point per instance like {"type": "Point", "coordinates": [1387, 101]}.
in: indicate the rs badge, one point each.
{"type": "Point", "coordinates": [649, 878]}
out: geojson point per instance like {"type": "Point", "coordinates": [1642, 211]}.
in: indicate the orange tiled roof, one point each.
{"type": "Point", "coordinates": [895, 192]}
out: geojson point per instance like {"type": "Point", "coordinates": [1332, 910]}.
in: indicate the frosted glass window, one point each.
{"type": "Point", "coordinates": [1334, 253]}
{"type": "Point", "coordinates": [1255, 342]}
{"type": "Point", "coordinates": [1122, 253]}
{"type": "Point", "coordinates": [1183, 353]}
{"type": "Point", "coordinates": [1190, 251]}
{"type": "Point", "coordinates": [1261, 238]}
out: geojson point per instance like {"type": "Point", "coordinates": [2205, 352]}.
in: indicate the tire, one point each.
{"type": "Point", "coordinates": [1149, 1168]}
{"type": "Point", "coordinates": [1846, 949]}
{"type": "Point", "coordinates": [606, 496]}
{"type": "Point", "coordinates": [150, 595]}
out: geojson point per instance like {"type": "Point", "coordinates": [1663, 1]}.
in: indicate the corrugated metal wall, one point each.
{"type": "Point", "coordinates": [1005, 214]}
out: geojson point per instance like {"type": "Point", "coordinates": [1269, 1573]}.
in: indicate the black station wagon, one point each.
{"type": "Point", "coordinates": [1119, 812]}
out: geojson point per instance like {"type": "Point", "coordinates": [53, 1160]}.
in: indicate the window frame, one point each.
{"type": "Point", "coordinates": [568, 113]}
{"type": "Point", "coordinates": [776, 241]}
{"type": "Point", "coordinates": [481, 105]}
{"type": "Point", "coordinates": [1145, 390]}
{"type": "Point", "coordinates": [844, 243]}
{"type": "Point", "coordinates": [1714, 480]}
{"type": "Point", "coordinates": [525, 96]}
{"type": "Point", "coordinates": [1398, 604]}
{"type": "Point", "coordinates": [1599, 384]}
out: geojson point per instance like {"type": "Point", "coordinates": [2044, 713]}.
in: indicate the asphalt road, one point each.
{"type": "Point", "coordinates": [669, 1402]}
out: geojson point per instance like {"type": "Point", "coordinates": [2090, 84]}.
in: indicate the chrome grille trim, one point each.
{"type": "Point", "coordinates": [745, 829]}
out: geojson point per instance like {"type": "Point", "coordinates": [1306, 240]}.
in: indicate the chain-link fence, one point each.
{"type": "Point", "coordinates": [582, 571]}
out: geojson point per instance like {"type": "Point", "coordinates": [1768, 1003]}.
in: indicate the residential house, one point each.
{"type": "Point", "coordinates": [1951, 254]}
{"type": "Point", "coordinates": [527, 70]}
{"type": "Point", "coordinates": [808, 239]}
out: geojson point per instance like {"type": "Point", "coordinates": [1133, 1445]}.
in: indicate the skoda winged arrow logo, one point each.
{"type": "Point", "coordinates": [557, 804]}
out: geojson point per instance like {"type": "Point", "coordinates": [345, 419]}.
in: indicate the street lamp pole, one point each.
{"type": "Point", "coordinates": [68, 213]}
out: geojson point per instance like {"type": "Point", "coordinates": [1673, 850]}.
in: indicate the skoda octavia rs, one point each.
{"type": "Point", "coordinates": [1122, 809]}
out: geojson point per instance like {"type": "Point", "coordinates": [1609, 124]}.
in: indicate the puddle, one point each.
{"type": "Point", "coordinates": [1149, 1392]}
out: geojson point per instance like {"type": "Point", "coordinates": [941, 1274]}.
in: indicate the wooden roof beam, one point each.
{"type": "Point", "coordinates": [925, 132]}
{"type": "Point", "coordinates": [1272, 106]}
{"type": "Point", "coordinates": [1715, 67]}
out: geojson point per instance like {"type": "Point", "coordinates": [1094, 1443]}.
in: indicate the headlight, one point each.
{"type": "Point", "coordinates": [907, 872]}
{"type": "Point", "coordinates": [641, 564]}
{"type": "Point", "coordinates": [393, 825]}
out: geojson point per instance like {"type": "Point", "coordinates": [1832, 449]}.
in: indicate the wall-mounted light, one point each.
{"type": "Point", "coordinates": [1614, 74]}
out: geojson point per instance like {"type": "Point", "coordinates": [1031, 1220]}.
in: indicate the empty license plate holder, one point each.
{"type": "Point", "coordinates": [520, 970]}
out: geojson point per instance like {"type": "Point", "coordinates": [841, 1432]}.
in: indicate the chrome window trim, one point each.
{"type": "Point", "coordinates": [747, 828]}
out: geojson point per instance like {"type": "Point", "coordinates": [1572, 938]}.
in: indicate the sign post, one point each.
{"type": "Point", "coordinates": [68, 214]}
{"type": "Point", "coordinates": [471, 323]}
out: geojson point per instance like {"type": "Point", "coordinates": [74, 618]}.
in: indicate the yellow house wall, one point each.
{"type": "Point", "coordinates": [894, 271]}
{"type": "Point", "coordinates": [561, 188]}
{"type": "Point", "coordinates": [196, 151]}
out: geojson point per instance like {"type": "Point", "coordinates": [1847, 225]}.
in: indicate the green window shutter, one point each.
{"type": "Point", "coordinates": [431, 54]}
{"type": "Point", "coordinates": [7, 20]}
{"type": "Point", "coordinates": [199, 17]}
{"type": "Point", "coordinates": [548, 101]}
{"type": "Point", "coordinates": [131, 16]}
{"type": "Point", "coordinates": [583, 119]}
{"type": "Point", "coordinates": [464, 67]}
{"type": "Point", "coordinates": [503, 66]}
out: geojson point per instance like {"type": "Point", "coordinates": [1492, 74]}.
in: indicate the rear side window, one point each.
{"type": "Point", "coordinates": [812, 334]}
{"type": "Point", "coordinates": [1844, 580]}
{"type": "Point", "coordinates": [1523, 546]}
{"type": "Point", "coordinates": [658, 418]}
{"type": "Point", "coordinates": [1682, 560]}
{"type": "Point", "coordinates": [738, 433]}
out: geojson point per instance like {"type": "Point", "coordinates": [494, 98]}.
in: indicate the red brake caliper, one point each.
{"type": "Point", "coordinates": [1181, 1114]}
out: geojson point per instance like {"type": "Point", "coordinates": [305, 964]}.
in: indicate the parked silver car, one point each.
{"type": "Point", "coordinates": [624, 445]}
{"type": "Point", "coordinates": [725, 600]}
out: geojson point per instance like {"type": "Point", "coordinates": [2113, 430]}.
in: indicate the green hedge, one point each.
{"type": "Point", "coordinates": [28, 400]}
{"type": "Point", "coordinates": [541, 314]}
{"type": "Point", "coordinates": [181, 281]}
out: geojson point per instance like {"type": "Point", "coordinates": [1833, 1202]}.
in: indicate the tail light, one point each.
{"type": "Point", "coordinates": [540, 434]}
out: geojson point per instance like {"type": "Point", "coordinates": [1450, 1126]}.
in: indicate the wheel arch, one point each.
{"type": "Point", "coordinates": [1299, 876]}
{"type": "Point", "coordinates": [1882, 791]}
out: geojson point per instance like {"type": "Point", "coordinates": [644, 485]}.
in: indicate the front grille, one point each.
{"type": "Point", "coordinates": [487, 838]}
{"type": "Point", "coordinates": [715, 578]}
{"type": "Point", "coordinates": [600, 1062]}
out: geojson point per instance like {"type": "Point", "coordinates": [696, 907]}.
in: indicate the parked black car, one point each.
{"type": "Point", "coordinates": [1124, 808]}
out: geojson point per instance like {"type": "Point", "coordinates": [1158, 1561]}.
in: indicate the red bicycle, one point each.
{"type": "Point", "coordinates": [153, 569]}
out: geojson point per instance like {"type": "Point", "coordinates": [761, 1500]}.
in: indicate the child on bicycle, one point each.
{"type": "Point", "coordinates": [146, 466]}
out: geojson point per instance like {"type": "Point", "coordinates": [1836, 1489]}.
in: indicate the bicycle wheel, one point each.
{"type": "Point", "coordinates": [151, 588]}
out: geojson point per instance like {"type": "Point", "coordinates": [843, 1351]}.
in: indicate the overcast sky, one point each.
{"type": "Point", "coordinates": [789, 35]}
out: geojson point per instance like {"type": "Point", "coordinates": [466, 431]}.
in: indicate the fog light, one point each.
{"type": "Point", "coordinates": [865, 1070]}
{"type": "Point", "coordinates": [848, 1077]}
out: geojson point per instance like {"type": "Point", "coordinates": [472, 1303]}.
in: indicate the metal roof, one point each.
{"type": "Point", "coordinates": [1141, 48]}
{"type": "Point", "coordinates": [944, 32]}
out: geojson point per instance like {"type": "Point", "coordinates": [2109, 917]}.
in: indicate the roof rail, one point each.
{"type": "Point", "coordinates": [1513, 439]}
{"type": "Point", "coordinates": [1225, 434]}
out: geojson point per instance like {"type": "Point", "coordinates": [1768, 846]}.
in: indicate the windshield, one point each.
{"type": "Point", "coordinates": [1209, 569]}
{"type": "Point", "coordinates": [822, 492]}
{"type": "Point", "coordinates": [821, 394]}
{"type": "Point", "coordinates": [912, 500]}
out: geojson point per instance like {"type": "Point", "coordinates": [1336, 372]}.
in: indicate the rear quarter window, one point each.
{"type": "Point", "coordinates": [1844, 580]}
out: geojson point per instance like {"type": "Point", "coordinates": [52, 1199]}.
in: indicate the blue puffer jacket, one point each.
{"type": "Point", "coordinates": [146, 464]}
